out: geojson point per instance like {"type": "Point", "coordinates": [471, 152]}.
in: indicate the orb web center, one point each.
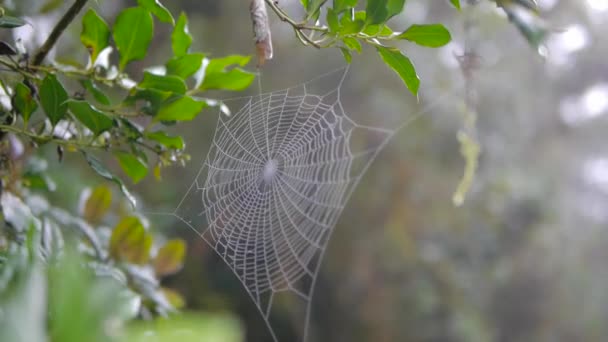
{"type": "Point", "coordinates": [270, 170]}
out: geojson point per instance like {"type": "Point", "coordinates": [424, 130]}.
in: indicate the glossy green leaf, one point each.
{"type": "Point", "coordinates": [170, 257]}
{"type": "Point", "coordinates": [236, 79]}
{"type": "Point", "coordinates": [134, 167]}
{"type": "Point", "coordinates": [174, 142]}
{"type": "Point", "coordinates": [402, 66]}
{"type": "Point", "coordinates": [97, 204]}
{"type": "Point", "coordinates": [348, 57]}
{"type": "Point", "coordinates": [171, 84]}
{"type": "Point", "coordinates": [432, 35]}
{"type": "Point", "coordinates": [219, 76]}
{"type": "Point", "coordinates": [181, 38]}
{"type": "Point", "coordinates": [158, 9]}
{"type": "Point", "coordinates": [332, 20]}
{"type": "Point", "coordinates": [349, 26]}
{"type": "Point", "coordinates": [313, 6]}
{"type": "Point", "coordinates": [342, 5]}
{"type": "Point", "coordinates": [90, 117]}
{"type": "Point", "coordinates": [53, 97]}
{"type": "Point", "coordinates": [97, 94]}
{"type": "Point", "coordinates": [130, 242]}
{"type": "Point", "coordinates": [101, 170]}
{"type": "Point", "coordinates": [185, 66]}
{"type": "Point", "coordinates": [181, 108]}
{"type": "Point", "coordinates": [133, 33]}
{"type": "Point", "coordinates": [95, 35]}
{"type": "Point", "coordinates": [394, 7]}
{"type": "Point", "coordinates": [352, 43]}
{"type": "Point", "coordinates": [455, 3]}
{"type": "Point", "coordinates": [377, 12]}
{"type": "Point", "coordinates": [152, 97]}
{"type": "Point", "coordinates": [220, 64]}
{"type": "Point", "coordinates": [24, 102]}
{"type": "Point", "coordinates": [11, 22]}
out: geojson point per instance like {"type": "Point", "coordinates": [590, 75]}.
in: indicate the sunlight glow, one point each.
{"type": "Point", "coordinates": [598, 5]}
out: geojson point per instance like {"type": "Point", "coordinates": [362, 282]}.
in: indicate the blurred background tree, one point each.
{"type": "Point", "coordinates": [521, 259]}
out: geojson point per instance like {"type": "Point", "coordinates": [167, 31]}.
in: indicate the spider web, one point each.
{"type": "Point", "coordinates": [275, 181]}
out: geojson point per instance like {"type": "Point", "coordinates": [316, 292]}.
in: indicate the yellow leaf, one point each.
{"type": "Point", "coordinates": [170, 258]}
{"type": "Point", "coordinates": [174, 298]}
{"type": "Point", "coordinates": [130, 242]}
{"type": "Point", "coordinates": [97, 204]}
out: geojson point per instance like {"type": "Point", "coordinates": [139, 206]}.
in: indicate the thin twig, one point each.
{"type": "Point", "coordinates": [63, 23]}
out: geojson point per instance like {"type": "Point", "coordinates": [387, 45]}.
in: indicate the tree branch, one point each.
{"type": "Point", "coordinates": [63, 23]}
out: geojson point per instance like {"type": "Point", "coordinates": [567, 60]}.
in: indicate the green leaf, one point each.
{"type": "Point", "coordinates": [352, 43]}
{"type": "Point", "coordinates": [53, 97]}
{"type": "Point", "coordinates": [180, 108]}
{"type": "Point", "coordinates": [171, 84]}
{"type": "Point", "coordinates": [11, 22]}
{"type": "Point", "coordinates": [218, 76]}
{"type": "Point", "coordinates": [170, 257]}
{"type": "Point", "coordinates": [91, 117]}
{"type": "Point", "coordinates": [95, 35]}
{"type": "Point", "coordinates": [181, 38]}
{"type": "Point", "coordinates": [313, 6]}
{"type": "Point", "coordinates": [402, 66]}
{"type": "Point", "coordinates": [153, 98]}
{"type": "Point", "coordinates": [130, 242]}
{"type": "Point", "coordinates": [432, 35]}
{"type": "Point", "coordinates": [377, 12]}
{"type": "Point", "coordinates": [134, 167]}
{"type": "Point", "coordinates": [98, 95]}
{"type": "Point", "coordinates": [347, 55]}
{"type": "Point", "coordinates": [174, 142]}
{"type": "Point", "coordinates": [159, 11]}
{"type": "Point", "coordinates": [101, 170]}
{"type": "Point", "coordinates": [332, 20]}
{"type": "Point", "coordinates": [455, 3]}
{"type": "Point", "coordinates": [394, 7]}
{"type": "Point", "coordinates": [185, 66]}
{"type": "Point", "coordinates": [97, 204]}
{"type": "Point", "coordinates": [133, 33]}
{"type": "Point", "coordinates": [351, 26]}
{"type": "Point", "coordinates": [236, 79]}
{"type": "Point", "coordinates": [342, 5]}
{"type": "Point", "coordinates": [220, 64]}
{"type": "Point", "coordinates": [24, 102]}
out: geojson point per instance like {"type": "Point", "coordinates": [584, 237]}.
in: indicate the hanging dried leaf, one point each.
{"type": "Point", "coordinates": [261, 31]}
